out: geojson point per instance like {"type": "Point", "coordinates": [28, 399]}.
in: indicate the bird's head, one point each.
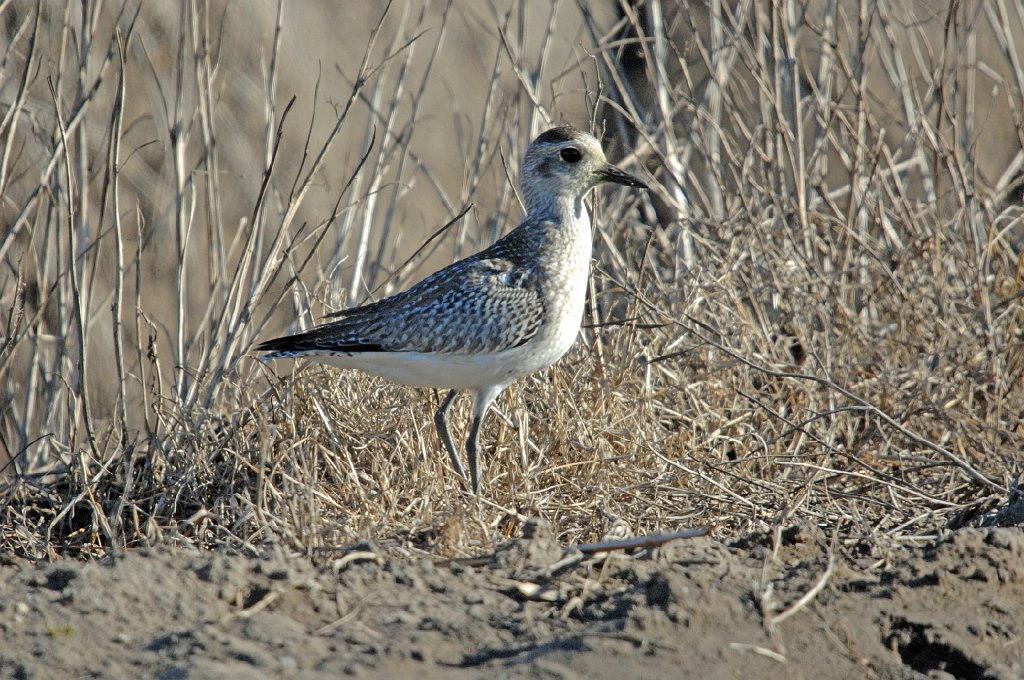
{"type": "Point", "coordinates": [563, 164]}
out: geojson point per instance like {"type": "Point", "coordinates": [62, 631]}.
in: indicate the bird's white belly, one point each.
{"type": "Point", "coordinates": [462, 371]}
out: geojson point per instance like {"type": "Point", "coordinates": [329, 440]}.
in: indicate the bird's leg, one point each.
{"type": "Point", "coordinates": [481, 402]}
{"type": "Point", "coordinates": [441, 423]}
{"type": "Point", "coordinates": [471, 452]}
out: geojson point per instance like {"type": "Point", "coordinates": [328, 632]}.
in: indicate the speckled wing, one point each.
{"type": "Point", "coordinates": [476, 305]}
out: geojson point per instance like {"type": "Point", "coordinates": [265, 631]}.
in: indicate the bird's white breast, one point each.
{"type": "Point", "coordinates": [567, 272]}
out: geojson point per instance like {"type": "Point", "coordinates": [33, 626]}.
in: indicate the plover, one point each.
{"type": "Point", "coordinates": [499, 315]}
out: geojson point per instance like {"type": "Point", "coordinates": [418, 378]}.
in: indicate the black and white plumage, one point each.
{"type": "Point", "coordinates": [496, 316]}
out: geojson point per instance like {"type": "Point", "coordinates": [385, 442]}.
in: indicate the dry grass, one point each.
{"type": "Point", "coordinates": [816, 317]}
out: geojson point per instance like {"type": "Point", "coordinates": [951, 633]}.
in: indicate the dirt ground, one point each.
{"type": "Point", "coordinates": [690, 608]}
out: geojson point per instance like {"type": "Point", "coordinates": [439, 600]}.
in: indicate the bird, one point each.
{"type": "Point", "coordinates": [485, 321]}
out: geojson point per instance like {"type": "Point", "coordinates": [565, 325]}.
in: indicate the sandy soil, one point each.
{"type": "Point", "coordinates": [692, 608]}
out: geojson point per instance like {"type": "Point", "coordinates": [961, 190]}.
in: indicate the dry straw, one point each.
{"type": "Point", "coordinates": [817, 319]}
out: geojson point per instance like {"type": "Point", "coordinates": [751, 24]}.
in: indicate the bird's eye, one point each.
{"type": "Point", "coordinates": [571, 155]}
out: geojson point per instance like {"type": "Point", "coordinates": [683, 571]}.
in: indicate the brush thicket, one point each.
{"type": "Point", "coordinates": [815, 318]}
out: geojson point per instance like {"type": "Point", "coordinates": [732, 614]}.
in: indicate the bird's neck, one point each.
{"type": "Point", "coordinates": [569, 213]}
{"type": "Point", "coordinates": [565, 233]}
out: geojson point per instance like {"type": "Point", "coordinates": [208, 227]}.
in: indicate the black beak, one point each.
{"type": "Point", "coordinates": [610, 173]}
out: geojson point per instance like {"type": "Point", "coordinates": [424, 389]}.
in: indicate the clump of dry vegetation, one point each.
{"type": "Point", "coordinates": [816, 316]}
